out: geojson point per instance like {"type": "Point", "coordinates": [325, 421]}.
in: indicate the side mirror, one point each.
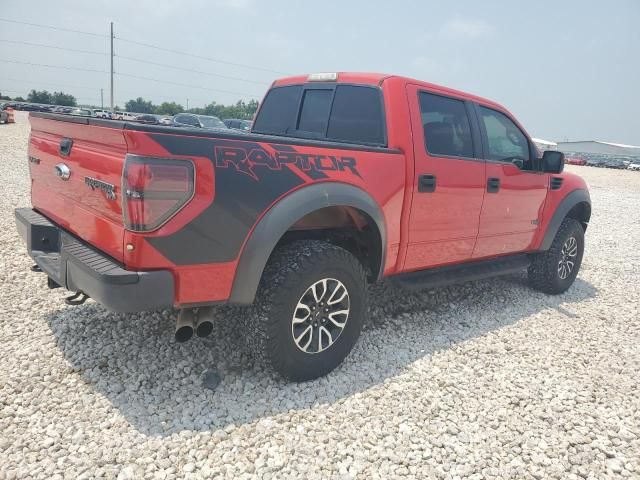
{"type": "Point", "coordinates": [552, 161]}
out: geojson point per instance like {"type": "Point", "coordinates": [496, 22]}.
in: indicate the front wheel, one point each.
{"type": "Point", "coordinates": [309, 309]}
{"type": "Point", "coordinates": [555, 270]}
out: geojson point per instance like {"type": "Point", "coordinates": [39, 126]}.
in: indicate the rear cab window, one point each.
{"type": "Point", "coordinates": [334, 112]}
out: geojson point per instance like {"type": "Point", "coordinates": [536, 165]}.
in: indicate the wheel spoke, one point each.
{"type": "Point", "coordinates": [328, 334]}
{"type": "Point", "coordinates": [306, 345]}
{"type": "Point", "coordinates": [339, 287]}
{"type": "Point", "coordinates": [572, 251]}
{"type": "Point", "coordinates": [304, 307]}
{"type": "Point", "coordinates": [570, 265]}
{"type": "Point", "coordinates": [336, 322]}
{"type": "Point", "coordinates": [314, 290]}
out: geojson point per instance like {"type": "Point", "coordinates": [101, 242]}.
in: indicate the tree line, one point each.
{"type": "Point", "coordinates": [45, 97]}
{"type": "Point", "coordinates": [240, 109]}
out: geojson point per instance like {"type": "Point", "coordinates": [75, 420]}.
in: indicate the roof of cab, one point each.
{"type": "Point", "coordinates": [378, 79]}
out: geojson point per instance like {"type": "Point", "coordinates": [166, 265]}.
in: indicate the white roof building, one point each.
{"type": "Point", "coordinates": [595, 146]}
{"type": "Point", "coordinates": [544, 144]}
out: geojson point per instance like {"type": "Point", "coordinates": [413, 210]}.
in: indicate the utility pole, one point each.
{"type": "Point", "coordinates": [111, 67]}
{"type": "Point", "coordinates": [187, 104]}
{"type": "Point", "coordinates": [102, 99]}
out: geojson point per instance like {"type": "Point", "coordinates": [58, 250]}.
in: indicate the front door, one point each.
{"type": "Point", "coordinates": [448, 185]}
{"type": "Point", "coordinates": [516, 189]}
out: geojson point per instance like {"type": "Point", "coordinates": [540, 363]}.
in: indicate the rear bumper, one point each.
{"type": "Point", "coordinates": [79, 267]}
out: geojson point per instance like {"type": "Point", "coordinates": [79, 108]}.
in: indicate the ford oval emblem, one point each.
{"type": "Point", "coordinates": [62, 171]}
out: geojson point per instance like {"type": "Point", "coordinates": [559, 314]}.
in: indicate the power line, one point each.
{"type": "Point", "coordinates": [252, 95]}
{"type": "Point", "coordinates": [52, 46]}
{"type": "Point", "coordinates": [63, 67]}
{"type": "Point", "coordinates": [47, 83]}
{"type": "Point", "coordinates": [39, 25]}
{"type": "Point", "coordinates": [201, 57]}
{"type": "Point", "coordinates": [192, 71]}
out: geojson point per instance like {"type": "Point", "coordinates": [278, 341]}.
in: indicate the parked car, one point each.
{"type": "Point", "coordinates": [100, 113]}
{"type": "Point", "coordinates": [4, 116]}
{"type": "Point", "coordinates": [198, 121]}
{"type": "Point", "coordinates": [123, 116]}
{"type": "Point", "coordinates": [238, 124]}
{"type": "Point", "coordinates": [165, 120]}
{"type": "Point", "coordinates": [634, 166]}
{"type": "Point", "coordinates": [328, 192]}
{"type": "Point", "coordinates": [575, 161]}
{"type": "Point", "coordinates": [615, 163]}
{"type": "Point", "coordinates": [82, 112]}
{"type": "Point", "coordinates": [62, 110]}
{"type": "Point", "coordinates": [148, 118]}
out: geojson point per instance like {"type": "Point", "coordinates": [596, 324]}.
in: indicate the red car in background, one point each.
{"type": "Point", "coordinates": [575, 161]}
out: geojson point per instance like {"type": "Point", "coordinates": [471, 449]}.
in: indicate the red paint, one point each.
{"type": "Point", "coordinates": [458, 222]}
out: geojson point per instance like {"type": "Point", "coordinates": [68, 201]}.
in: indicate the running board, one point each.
{"type": "Point", "coordinates": [460, 273]}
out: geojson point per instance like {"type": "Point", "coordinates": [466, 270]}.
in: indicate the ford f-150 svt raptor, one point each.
{"type": "Point", "coordinates": [344, 178]}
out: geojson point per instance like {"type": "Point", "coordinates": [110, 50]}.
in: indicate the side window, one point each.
{"type": "Point", "coordinates": [447, 130]}
{"type": "Point", "coordinates": [278, 112]}
{"type": "Point", "coordinates": [357, 115]}
{"type": "Point", "coordinates": [314, 113]}
{"type": "Point", "coordinates": [506, 141]}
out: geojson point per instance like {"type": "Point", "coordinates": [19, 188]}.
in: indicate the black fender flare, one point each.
{"type": "Point", "coordinates": [285, 213]}
{"type": "Point", "coordinates": [565, 206]}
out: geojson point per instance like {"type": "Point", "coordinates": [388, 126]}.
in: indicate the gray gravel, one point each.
{"type": "Point", "coordinates": [484, 380]}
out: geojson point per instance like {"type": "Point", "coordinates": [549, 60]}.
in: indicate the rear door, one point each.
{"type": "Point", "coordinates": [448, 187]}
{"type": "Point", "coordinates": [516, 188]}
{"type": "Point", "coordinates": [76, 172]}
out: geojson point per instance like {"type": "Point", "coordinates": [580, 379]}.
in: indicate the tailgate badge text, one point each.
{"type": "Point", "coordinates": [107, 188]}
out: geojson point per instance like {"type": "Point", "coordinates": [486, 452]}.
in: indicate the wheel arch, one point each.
{"type": "Point", "coordinates": [271, 228]}
{"type": "Point", "coordinates": [577, 205]}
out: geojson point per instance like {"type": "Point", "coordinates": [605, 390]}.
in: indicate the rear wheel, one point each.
{"type": "Point", "coordinates": [555, 270]}
{"type": "Point", "coordinates": [309, 309]}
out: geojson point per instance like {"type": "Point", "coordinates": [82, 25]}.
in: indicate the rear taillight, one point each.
{"type": "Point", "coordinates": [154, 190]}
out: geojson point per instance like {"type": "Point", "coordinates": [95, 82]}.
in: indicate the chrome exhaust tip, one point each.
{"type": "Point", "coordinates": [204, 325]}
{"type": "Point", "coordinates": [184, 325]}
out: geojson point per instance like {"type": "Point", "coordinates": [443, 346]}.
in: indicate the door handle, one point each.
{"type": "Point", "coordinates": [493, 185]}
{"type": "Point", "coordinates": [427, 183]}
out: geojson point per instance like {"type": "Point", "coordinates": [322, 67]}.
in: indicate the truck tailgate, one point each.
{"type": "Point", "coordinates": [87, 203]}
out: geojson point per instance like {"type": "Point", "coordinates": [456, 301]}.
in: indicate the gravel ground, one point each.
{"type": "Point", "coordinates": [484, 380]}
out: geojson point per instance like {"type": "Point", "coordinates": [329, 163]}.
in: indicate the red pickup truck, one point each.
{"type": "Point", "coordinates": [344, 179]}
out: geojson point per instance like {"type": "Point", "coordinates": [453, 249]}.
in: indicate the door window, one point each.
{"type": "Point", "coordinates": [506, 142]}
{"type": "Point", "coordinates": [447, 130]}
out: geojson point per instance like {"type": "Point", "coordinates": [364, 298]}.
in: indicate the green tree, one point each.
{"type": "Point", "coordinates": [36, 96]}
{"type": "Point", "coordinates": [140, 105]}
{"type": "Point", "coordinates": [18, 99]}
{"type": "Point", "coordinates": [64, 99]}
{"type": "Point", "coordinates": [169, 108]}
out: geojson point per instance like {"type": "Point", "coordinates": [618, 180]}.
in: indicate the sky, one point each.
{"type": "Point", "coordinates": [568, 70]}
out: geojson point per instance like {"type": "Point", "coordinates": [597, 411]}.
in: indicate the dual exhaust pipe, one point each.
{"type": "Point", "coordinates": [191, 321]}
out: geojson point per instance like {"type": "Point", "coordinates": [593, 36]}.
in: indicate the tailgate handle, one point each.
{"type": "Point", "coordinates": [65, 147]}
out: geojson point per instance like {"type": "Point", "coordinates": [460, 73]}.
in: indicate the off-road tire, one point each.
{"type": "Point", "coordinates": [544, 272]}
{"type": "Point", "coordinates": [291, 271]}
